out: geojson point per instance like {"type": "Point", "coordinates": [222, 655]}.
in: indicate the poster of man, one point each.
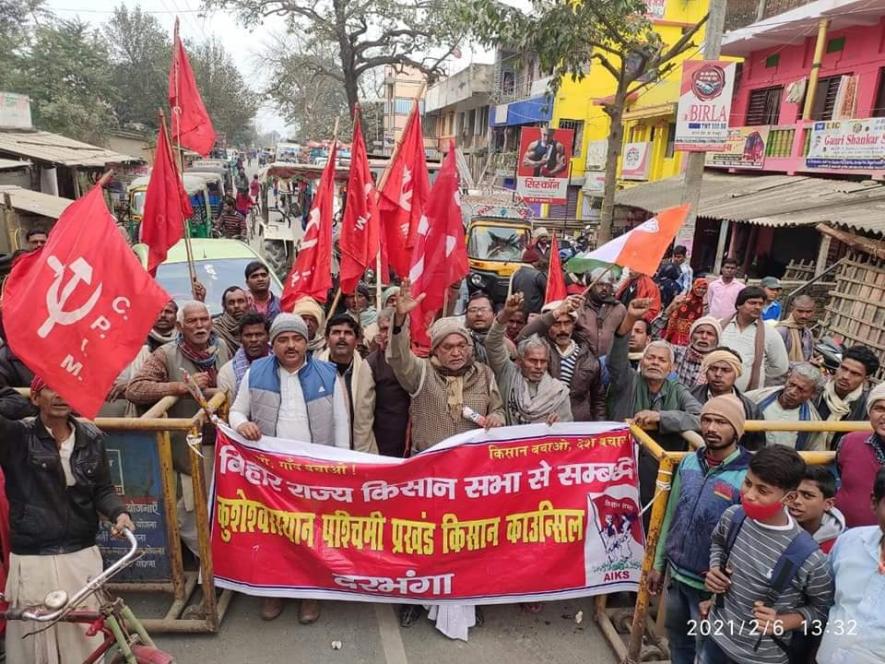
{"type": "Point", "coordinates": [543, 170]}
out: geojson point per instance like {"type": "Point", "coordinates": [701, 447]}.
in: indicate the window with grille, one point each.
{"type": "Point", "coordinates": [825, 98]}
{"type": "Point", "coordinates": [578, 126]}
{"type": "Point", "coordinates": [879, 104]}
{"type": "Point", "coordinates": [764, 106]}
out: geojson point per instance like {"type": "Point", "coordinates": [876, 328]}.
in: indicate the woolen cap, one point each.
{"type": "Point", "coordinates": [729, 407]}
{"type": "Point", "coordinates": [602, 275]}
{"type": "Point", "coordinates": [712, 321]}
{"type": "Point", "coordinates": [446, 326]}
{"type": "Point", "coordinates": [876, 394]}
{"type": "Point", "coordinates": [288, 323]}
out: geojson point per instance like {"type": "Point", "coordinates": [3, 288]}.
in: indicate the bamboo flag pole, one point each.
{"type": "Point", "coordinates": [333, 151]}
{"type": "Point", "coordinates": [176, 116]}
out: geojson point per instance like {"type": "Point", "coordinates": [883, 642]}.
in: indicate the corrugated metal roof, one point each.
{"type": "Point", "coordinates": [60, 150]}
{"type": "Point", "coordinates": [35, 202]}
{"type": "Point", "coordinates": [12, 164]}
{"type": "Point", "coordinates": [771, 200]}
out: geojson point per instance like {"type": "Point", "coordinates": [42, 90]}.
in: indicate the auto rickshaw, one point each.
{"type": "Point", "coordinates": [200, 223]}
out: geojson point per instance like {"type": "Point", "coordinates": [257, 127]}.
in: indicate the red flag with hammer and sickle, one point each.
{"type": "Point", "coordinates": [77, 311]}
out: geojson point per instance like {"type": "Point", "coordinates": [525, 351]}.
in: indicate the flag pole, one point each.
{"type": "Point", "coordinates": [337, 297]}
{"type": "Point", "coordinates": [191, 267]}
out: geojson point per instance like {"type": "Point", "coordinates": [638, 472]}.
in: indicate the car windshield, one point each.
{"type": "Point", "coordinates": [138, 202]}
{"type": "Point", "coordinates": [215, 275]}
{"type": "Point", "coordinates": [489, 243]}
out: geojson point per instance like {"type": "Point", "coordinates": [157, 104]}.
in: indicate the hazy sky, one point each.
{"type": "Point", "coordinates": [195, 25]}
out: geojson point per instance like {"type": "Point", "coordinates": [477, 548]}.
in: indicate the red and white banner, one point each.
{"type": "Point", "coordinates": [542, 173]}
{"type": "Point", "coordinates": [704, 105]}
{"type": "Point", "coordinates": [515, 514]}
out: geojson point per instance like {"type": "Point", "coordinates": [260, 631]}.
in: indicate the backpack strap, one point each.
{"type": "Point", "coordinates": [790, 561]}
{"type": "Point", "coordinates": [734, 527]}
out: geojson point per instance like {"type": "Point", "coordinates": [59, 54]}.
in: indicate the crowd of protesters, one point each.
{"type": "Point", "coordinates": [749, 526]}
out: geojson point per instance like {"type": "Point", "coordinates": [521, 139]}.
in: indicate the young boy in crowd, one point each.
{"type": "Point", "coordinates": [855, 631]}
{"type": "Point", "coordinates": [813, 507]}
{"type": "Point", "coordinates": [768, 576]}
{"type": "Point", "coordinates": [706, 483]}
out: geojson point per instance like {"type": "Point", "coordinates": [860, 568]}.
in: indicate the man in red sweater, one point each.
{"type": "Point", "coordinates": [859, 457]}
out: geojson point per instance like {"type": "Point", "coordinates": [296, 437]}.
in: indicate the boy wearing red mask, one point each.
{"type": "Point", "coordinates": [769, 578]}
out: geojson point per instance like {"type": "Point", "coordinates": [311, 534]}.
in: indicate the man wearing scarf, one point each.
{"type": "Point", "coordinates": [235, 304]}
{"type": "Point", "coordinates": [601, 315]}
{"type": "Point", "coordinates": [703, 337]}
{"type": "Point", "coordinates": [529, 392]}
{"type": "Point", "coordinates": [451, 393]}
{"type": "Point", "coordinates": [794, 402]}
{"type": "Point", "coordinates": [197, 351]}
{"type": "Point", "coordinates": [720, 369]}
{"type": "Point", "coordinates": [844, 398]}
{"type": "Point", "coordinates": [683, 312]}
{"type": "Point", "coordinates": [315, 319]}
{"type": "Point", "coordinates": [795, 329]}
{"type": "Point", "coordinates": [254, 332]}
{"type": "Point", "coordinates": [860, 456]}
{"type": "Point", "coordinates": [478, 320]}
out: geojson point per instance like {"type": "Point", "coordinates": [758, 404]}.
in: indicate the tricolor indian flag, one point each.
{"type": "Point", "coordinates": [641, 249]}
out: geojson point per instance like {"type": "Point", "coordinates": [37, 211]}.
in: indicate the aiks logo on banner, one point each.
{"type": "Point", "coordinates": [704, 105]}
{"type": "Point", "coordinates": [542, 173]}
{"type": "Point", "coordinates": [515, 514]}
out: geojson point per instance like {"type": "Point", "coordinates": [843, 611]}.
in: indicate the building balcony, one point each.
{"type": "Point", "coordinates": [476, 79]}
{"type": "Point", "coordinates": [466, 142]}
{"type": "Point", "coordinates": [839, 147]}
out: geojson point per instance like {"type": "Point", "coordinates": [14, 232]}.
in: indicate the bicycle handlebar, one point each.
{"type": "Point", "coordinates": [91, 586]}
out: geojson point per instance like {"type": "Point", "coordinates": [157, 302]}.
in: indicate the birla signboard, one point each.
{"type": "Point", "coordinates": [542, 172]}
{"type": "Point", "coordinates": [704, 105]}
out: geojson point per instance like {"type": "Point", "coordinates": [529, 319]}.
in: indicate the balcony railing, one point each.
{"type": "Point", "coordinates": [744, 12]}
{"type": "Point", "coordinates": [780, 142]}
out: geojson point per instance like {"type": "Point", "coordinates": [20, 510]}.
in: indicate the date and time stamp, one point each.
{"type": "Point", "coordinates": [707, 627]}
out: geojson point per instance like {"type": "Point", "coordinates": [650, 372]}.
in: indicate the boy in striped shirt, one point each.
{"type": "Point", "coordinates": [750, 620]}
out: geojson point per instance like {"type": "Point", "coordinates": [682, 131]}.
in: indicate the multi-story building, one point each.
{"type": "Point", "coordinates": [401, 86]}
{"type": "Point", "coordinates": [457, 108]}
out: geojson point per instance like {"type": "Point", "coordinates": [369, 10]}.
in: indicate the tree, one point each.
{"type": "Point", "coordinates": [365, 34]}
{"type": "Point", "coordinates": [66, 73]}
{"type": "Point", "coordinates": [17, 20]}
{"type": "Point", "coordinates": [231, 103]}
{"type": "Point", "coordinates": [567, 37]}
{"type": "Point", "coordinates": [139, 49]}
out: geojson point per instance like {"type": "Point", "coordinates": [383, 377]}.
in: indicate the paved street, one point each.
{"type": "Point", "coordinates": [370, 634]}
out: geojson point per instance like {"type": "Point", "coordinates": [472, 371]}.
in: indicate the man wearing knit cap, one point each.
{"type": "Point", "coordinates": [294, 396]}
{"type": "Point", "coordinates": [451, 393]}
{"type": "Point", "coordinates": [599, 318]}
{"type": "Point", "coordinates": [706, 483]}
{"type": "Point", "coordinates": [860, 456]}
{"type": "Point", "coordinates": [720, 368]}
{"type": "Point", "coordinates": [703, 337]}
{"type": "Point", "coordinates": [58, 481]}
{"type": "Point", "coordinates": [531, 281]}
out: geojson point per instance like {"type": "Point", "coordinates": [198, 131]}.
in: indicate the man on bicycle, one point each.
{"type": "Point", "coordinates": [231, 223]}
{"type": "Point", "coordinates": [57, 482]}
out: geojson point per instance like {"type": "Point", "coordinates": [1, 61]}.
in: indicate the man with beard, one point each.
{"type": "Point", "coordinates": [571, 360]}
{"type": "Point", "coordinates": [258, 283]}
{"type": "Point", "coordinates": [794, 402]}
{"type": "Point", "coordinates": [254, 335]}
{"type": "Point", "coordinates": [844, 398]}
{"type": "Point", "coordinates": [381, 417]}
{"type": "Point", "coordinates": [706, 483]}
{"type": "Point", "coordinates": [648, 396]}
{"type": "Point", "coordinates": [342, 335]}
{"type": "Point", "coordinates": [703, 337]}
{"type": "Point", "coordinates": [198, 352]}
{"type": "Point", "coordinates": [795, 329]}
{"type": "Point", "coordinates": [530, 394]}
{"type": "Point", "coordinates": [478, 320]}
{"type": "Point", "coordinates": [227, 326]}
{"type": "Point", "coordinates": [601, 315]}
{"type": "Point", "coordinates": [721, 368]}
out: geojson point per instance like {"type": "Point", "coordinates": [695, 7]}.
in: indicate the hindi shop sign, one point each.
{"type": "Point", "coordinates": [745, 148]}
{"type": "Point", "coordinates": [847, 144]}
{"type": "Point", "coordinates": [554, 511]}
{"type": "Point", "coordinates": [704, 105]}
{"type": "Point", "coordinates": [542, 172]}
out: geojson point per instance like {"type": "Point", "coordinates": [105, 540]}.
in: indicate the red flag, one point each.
{"type": "Point", "coordinates": [191, 126]}
{"type": "Point", "coordinates": [81, 306]}
{"type": "Point", "coordinates": [437, 259]}
{"type": "Point", "coordinates": [311, 274]}
{"type": "Point", "coordinates": [359, 242]}
{"type": "Point", "coordinates": [555, 277]}
{"type": "Point", "coordinates": [403, 196]}
{"type": "Point", "coordinates": [166, 205]}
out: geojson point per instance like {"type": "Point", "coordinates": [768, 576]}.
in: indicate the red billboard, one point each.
{"type": "Point", "coordinates": [542, 171]}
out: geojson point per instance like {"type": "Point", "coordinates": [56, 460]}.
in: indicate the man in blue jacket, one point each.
{"type": "Point", "coordinates": [706, 483]}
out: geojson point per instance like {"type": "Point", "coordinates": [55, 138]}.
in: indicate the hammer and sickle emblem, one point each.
{"type": "Point", "coordinates": [55, 302]}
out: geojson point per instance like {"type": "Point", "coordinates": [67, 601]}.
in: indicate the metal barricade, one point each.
{"type": "Point", "coordinates": [640, 639]}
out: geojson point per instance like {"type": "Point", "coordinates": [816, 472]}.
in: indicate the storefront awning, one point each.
{"type": "Point", "coordinates": [771, 200]}
{"type": "Point", "coordinates": [34, 202]}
